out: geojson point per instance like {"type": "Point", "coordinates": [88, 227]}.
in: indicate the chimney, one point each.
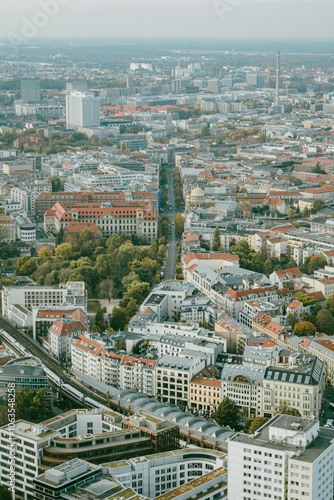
{"type": "Point", "coordinates": [277, 78]}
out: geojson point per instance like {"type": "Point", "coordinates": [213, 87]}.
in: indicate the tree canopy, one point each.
{"type": "Point", "coordinates": [227, 413]}
{"type": "Point", "coordinates": [285, 409]}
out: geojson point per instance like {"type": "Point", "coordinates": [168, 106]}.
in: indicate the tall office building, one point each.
{"type": "Point", "coordinates": [82, 110]}
{"type": "Point", "coordinates": [30, 89]}
{"type": "Point", "coordinates": [257, 80]}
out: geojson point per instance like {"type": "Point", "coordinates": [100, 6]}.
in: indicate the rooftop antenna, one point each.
{"type": "Point", "coordinates": [277, 78]}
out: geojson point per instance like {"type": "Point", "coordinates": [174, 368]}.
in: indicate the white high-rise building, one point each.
{"type": "Point", "coordinates": [82, 110]}
{"type": "Point", "coordinates": [288, 458]}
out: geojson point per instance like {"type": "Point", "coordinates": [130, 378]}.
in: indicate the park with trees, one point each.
{"type": "Point", "coordinates": [120, 267]}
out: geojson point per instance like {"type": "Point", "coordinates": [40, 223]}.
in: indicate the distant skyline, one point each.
{"type": "Point", "coordinates": [279, 19]}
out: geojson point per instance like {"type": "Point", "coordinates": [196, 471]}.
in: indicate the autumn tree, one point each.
{"type": "Point", "coordinates": [45, 253]}
{"type": "Point", "coordinates": [304, 328]}
{"type": "Point", "coordinates": [251, 426]}
{"type": "Point", "coordinates": [26, 266]}
{"type": "Point", "coordinates": [179, 223]}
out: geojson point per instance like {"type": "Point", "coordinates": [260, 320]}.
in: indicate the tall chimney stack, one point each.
{"type": "Point", "coordinates": [277, 78]}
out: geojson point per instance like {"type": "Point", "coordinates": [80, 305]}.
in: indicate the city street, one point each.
{"type": "Point", "coordinates": [172, 249]}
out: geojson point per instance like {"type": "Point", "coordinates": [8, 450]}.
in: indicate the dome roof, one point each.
{"type": "Point", "coordinates": [197, 193]}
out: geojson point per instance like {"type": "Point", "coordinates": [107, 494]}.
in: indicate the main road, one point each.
{"type": "Point", "coordinates": [172, 250]}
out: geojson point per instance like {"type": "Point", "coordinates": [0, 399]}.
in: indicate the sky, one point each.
{"type": "Point", "coordinates": [288, 19]}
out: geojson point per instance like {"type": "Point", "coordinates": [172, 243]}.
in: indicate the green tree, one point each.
{"type": "Point", "coordinates": [306, 300]}
{"type": "Point", "coordinates": [316, 206]}
{"type": "Point", "coordinates": [106, 289]}
{"type": "Point", "coordinates": [216, 239]}
{"type": "Point", "coordinates": [118, 319]}
{"type": "Point", "coordinates": [5, 494]}
{"type": "Point", "coordinates": [316, 262]}
{"type": "Point", "coordinates": [60, 236]}
{"type": "Point", "coordinates": [132, 307]}
{"type": "Point", "coordinates": [33, 406]}
{"type": "Point", "coordinates": [164, 197]}
{"type": "Point", "coordinates": [325, 322]}
{"type": "Point", "coordinates": [227, 413]}
{"type": "Point", "coordinates": [115, 241]}
{"type": "Point", "coordinates": [164, 225]}
{"type": "Point", "coordinates": [137, 348]}
{"type": "Point", "coordinates": [256, 423]}
{"type": "Point", "coordinates": [138, 291]}
{"type": "Point", "coordinates": [56, 184]}
{"type": "Point", "coordinates": [285, 409]}
{"type": "Point", "coordinates": [291, 213]}
{"type": "Point", "coordinates": [99, 319]}
{"type": "Point", "coordinates": [65, 251]}
{"type": "Point", "coordinates": [179, 223]}
{"type": "Point", "coordinates": [85, 236]}
{"type": "Point", "coordinates": [330, 303]}
{"type": "Point", "coordinates": [26, 266]}
{"type": "Point", "coordinates": [104, 265]}
{"type": "Point", "coordinates": [304, 329]}
{"type": "Point", "coordinates": [292, 319]}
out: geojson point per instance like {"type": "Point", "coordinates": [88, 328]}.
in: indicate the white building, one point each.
{"type": "Point", "coordinates": [181, 474]}
{"type": "Point", "coordinates": [29, 296]}
{"type": "Point", "coordinates": [82, 110]}
{"type": "Point", "coordinates": [117, 370]}
{"type": "Point", "coordinates": [26, 233]}
{"type": "Point", "coordinates": [288, 458]}
{"type": "Point", "coordinates": [61, 335]}
{"type": "Point", "coordinates": [30, 439]}
{"type": "Point", "coordinates": [271, 376]}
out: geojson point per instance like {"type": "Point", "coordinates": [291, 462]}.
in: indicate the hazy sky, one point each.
{"type": "Point", "coordinates": [173, 18]}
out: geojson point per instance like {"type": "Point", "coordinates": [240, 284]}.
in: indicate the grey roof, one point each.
{"type": "Point", "coordinates": [152, 406]}
{"type": "Point", "coordinates": [24, 367]}
{"type": "Point", "coordinates": [308, 372]}
{"type": "Point", "coordinates": [176, 362]}
{"type": "Point", "coordinates": [253, 375]}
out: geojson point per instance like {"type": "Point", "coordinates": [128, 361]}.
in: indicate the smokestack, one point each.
{"type": "Point", "coordinates": [277, 78]}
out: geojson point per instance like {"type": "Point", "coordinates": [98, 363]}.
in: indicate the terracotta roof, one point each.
{"type": "Point", "coordinates": [268, 343]}
{"type": "Point", "coordinates": [78, 227]}
{"type": "Point", "coordinates": [65, 328]}
{"type": "Point", "coordinates": [289, 273]}
{"type": "Point", "coordinates": [295, 304]}
{"type": "Point", "coordinates": [318, 295]}
{"type": "Point", "coordinates": [238, 295]}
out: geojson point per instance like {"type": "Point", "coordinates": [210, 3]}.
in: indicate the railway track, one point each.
{"type": "Point", "coordinates": [36, 350]}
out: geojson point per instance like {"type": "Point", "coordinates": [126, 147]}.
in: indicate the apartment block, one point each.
{"type": "Point", "coordinates": [72, 293]}
{"type": "Point", "coordinates": [288, 458]}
